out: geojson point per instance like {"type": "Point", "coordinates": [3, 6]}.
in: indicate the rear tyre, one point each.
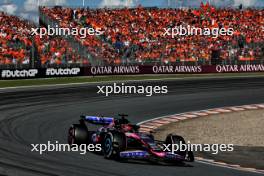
{"type": "Point", "coordinates": [113, 143]}
{"type": "Point", "coordinates": [78, 134]}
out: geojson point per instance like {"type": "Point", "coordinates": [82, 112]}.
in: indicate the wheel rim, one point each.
{"type": "Point", "coordinates": [71, 138]}
{"type": "Point", "coordinates": [107, 145]}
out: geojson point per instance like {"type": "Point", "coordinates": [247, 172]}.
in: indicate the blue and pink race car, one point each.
{"type": "Point", "coordinates": [120, 139]}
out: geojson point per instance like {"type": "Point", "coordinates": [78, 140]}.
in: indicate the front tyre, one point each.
{"type": "Point", "coordinates": [190, 156]}
{"type": "Point", "coordinates": [179, 140]}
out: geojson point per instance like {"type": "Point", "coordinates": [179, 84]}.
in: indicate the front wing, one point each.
{"type": "Point", "coordinates": [139, 154]}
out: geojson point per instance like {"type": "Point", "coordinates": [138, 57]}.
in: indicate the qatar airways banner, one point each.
{"type": "Point", "coordinates": [126, 70]}
{"type": "Point", "coordinates": [239, 68]}
{"type": "Point", "coordinates": [172, 69]}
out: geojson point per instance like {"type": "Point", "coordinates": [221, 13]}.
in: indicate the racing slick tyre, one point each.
{"type": "Point", "coordinates": [114, 142]}
{"type": "Point", "coordinates": [78, 134]}
{"type": "Point", "coordinates": [179, 140]}
{"type": "Point", "coordinates": [190, 156]}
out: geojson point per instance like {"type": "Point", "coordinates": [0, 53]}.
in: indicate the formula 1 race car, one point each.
{"type": "Point", "coordinates": [120, 139]}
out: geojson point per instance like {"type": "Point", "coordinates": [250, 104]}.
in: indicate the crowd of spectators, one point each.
{"type": "Point", "coordinates": [15, 44]}
{"type": "Point", "coordinates": [19, 47]}
{"type": "Point", "coordinates": [136, 34]}
{"type": "Point", "coordinates": [95, 45]}
{"type": "Point", "coordinates": [55, 50]}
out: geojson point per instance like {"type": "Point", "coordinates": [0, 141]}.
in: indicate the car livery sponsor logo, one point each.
{"type": "Point", "coordinates": [101, 120]}
{"type": "Point", "coordinates": [62, 71]}
{"type": "Point", "coordinates": [173, 156]}
{"type": "Point", "coordinates": [134, 154]}
{"type": "Point", "coordinates": [19, 73]}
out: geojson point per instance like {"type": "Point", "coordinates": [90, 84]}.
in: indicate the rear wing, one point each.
{"type": "Point", "coordinates": [97, 120]}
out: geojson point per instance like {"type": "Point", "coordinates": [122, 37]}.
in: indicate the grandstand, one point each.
{"type": "Point", "coordinates": [19, 49]}
{"type": "Point", "coordinates": [134, 36]}
{"type": "Point", "coordinates": [15, 45]}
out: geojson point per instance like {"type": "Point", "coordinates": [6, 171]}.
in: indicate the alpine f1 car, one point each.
{"type": "Point", "coordinates": [120, 139]}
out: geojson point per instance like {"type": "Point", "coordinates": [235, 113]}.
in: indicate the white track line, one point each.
{"type": "Point", "coordinates": [136, 80]}
{"type": "Point", "coordinates": [160, 121]}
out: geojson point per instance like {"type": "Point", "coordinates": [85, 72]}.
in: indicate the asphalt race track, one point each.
{"type": "Point", "coordinates": [37, 115]}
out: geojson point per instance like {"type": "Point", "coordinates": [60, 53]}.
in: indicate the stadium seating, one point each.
{"type": "Point", "coordinates": [138, 33]}
{"type": "Point", "coordinates": [15, 44]}
{"type": "Point", "coordinates": [55, 51]}
{"type": "Point", "coordinates": [135, 36]}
